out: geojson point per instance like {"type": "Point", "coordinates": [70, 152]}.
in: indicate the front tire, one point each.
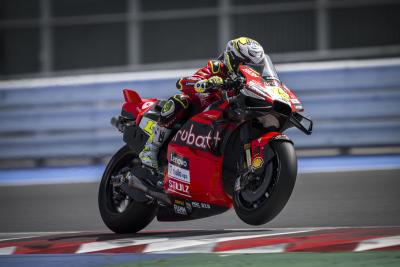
{"type": "Point", "coordinates": [275, 197]}
{"type": "Point", "coordinates": [129, 216]}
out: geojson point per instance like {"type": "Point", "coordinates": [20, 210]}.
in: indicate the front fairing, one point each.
{"type": "Point", "coordinates": [268, 88]}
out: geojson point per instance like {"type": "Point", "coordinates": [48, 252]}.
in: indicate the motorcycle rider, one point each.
{"type": "Point", "coordinates": [199, 91]}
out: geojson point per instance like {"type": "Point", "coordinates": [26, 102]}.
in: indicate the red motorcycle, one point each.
{"type": "Point", "coordinates": [233, 153]}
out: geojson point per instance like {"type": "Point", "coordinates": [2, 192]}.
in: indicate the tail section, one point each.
{"type": "Point", "coordinates": [133, 103]}
{"type": "Point", "coordinates": [132, 97]}
{"type": "Point", "coordinates": [134, 106]}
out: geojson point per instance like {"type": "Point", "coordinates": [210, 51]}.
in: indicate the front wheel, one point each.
{"type": "Point", "coordinates": [265, 197]}
{"type": "Point", "coordinates": [119, 212]}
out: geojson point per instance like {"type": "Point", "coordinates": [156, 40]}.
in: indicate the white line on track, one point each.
{"type": "Point", "coordinates": [117, 243]}
{"type": "Point", "coordinates": [199, 244]}
{"type": "Point", "coordinates": [378, 243]}
{"type": "Point", "coordinates": [7, 250]}
{"type": "Point", "coordinates": [278, 248]}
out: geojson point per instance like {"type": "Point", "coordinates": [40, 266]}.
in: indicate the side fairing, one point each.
{"type": "Point", "coordinates": [195, 161]}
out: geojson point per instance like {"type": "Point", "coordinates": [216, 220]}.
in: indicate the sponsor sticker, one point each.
{"type": "Point", "coordinates": [295, 101]}
{"type": "Point", "coordinates": [250, 72]}
{"type": "Point", "coordinates": [281, 136]}
{"type": "Point", "coordinates": [179, 187]}
{"type": "Point", "coordinates": [206, 141]}
{"type": "Point", "coordinates": [147, 104]}
{"type": "Point", "coordinates": [180, 210]}
{"type": "Point", "coordinates": [179, 161]}
{"type": "Point", "coordinates": [178, 168]}
{"type": "Point", "coordinates": [257, 162]}
{"type": "Point", "coordinates": [200, 205]}
{"type": "Point", "coordinates": [179, 204]}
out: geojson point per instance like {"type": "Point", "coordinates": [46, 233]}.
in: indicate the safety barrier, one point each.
{"type": "Point", "coordinates": [352, 106]}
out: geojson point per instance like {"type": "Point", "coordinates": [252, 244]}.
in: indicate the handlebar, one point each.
{"type": "Point", "coordinates": [234, 83]}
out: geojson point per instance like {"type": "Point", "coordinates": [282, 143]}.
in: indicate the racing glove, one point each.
{"type": "Point", "coordinates": [212, 82]}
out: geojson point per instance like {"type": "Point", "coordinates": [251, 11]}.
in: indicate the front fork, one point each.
{"type": "Point", "coordinates": [255, 157]}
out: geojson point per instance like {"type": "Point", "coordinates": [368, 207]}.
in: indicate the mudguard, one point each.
{"type": "Point", "coordinates": [259, 147]}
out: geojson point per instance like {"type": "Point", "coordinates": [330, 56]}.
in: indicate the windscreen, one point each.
{"type": "Point", "coordinates": [265, 68]}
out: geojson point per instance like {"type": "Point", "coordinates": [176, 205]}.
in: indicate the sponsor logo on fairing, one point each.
{"type": "Point", "coordinates": [178, 168]}
{"type": "Point", "coordinates": [206, 142]}
{"type": "Point", "coordinates": [180, 210]}
{"type": "Point", "coordinates": [147, 104]}
{"type": "Point", "coordinates": [182, 207]}
{"type": "Point", "coordinates": [178, 173]}
{"type": "Point", "coordinates": [280, 136]}
{"type": "Point", "coordinates": [257, 162]}
{"type": "Point", "coordinates": [179, 161]}
{"type": "Point", "coordinates": [250, 72]}
{"type": "Point", "coordinates": [179, 187]}
{"type": "Point", "coordinates": [200, 205]}
{"type": "Point", "coordinates": [295, 101]}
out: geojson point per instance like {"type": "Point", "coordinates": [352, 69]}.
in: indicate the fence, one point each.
{"type": "Point", "coordinates": [352, 105]}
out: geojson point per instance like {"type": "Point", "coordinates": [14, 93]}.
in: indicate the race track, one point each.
{"type": "Point", "coordinates": [362, 198]}
{"type": "Point", "coordinates": [337, 212]}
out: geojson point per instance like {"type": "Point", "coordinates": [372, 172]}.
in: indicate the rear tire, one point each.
{"type": "Point", "coordinates": [283, 180]}
{"type": "Point", "coordinates": [136, 215]}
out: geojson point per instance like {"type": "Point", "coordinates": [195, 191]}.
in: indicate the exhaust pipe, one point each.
{"type": "Point", "coordinates": [135, 182]}
{"type": "Point", "coordinates": [121, 123]}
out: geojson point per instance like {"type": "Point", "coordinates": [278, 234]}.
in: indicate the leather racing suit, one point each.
{"type": "Point", "coordinates": [195, 96]}
{"type": "Point", "coordinates": [198, 92]}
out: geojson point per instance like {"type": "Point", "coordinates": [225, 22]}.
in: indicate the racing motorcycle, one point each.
{"type": "Point", "coordinates": [232, 154]}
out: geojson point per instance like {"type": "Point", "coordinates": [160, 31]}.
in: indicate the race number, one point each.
{"type": "Point", "coordinates": [148, 128]}
{"type": "Point", "coordinates": [281, 93]}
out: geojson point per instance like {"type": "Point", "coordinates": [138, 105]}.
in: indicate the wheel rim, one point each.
{"type": "Point", "coordinates": [258, 187]}
{"type": "Point", "coordinates": [117, 200]}
{"type": "Point", "coordinates": [251, 198]}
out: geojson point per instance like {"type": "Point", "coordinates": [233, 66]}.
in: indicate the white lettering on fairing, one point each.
{"type": "Point", "coordinates": [178, 173]}
{"type": "Point", "coordinates": [179, 187]}
{"type": "Point", "coordinates": [179, 161]}
{"type": "Point", "coordinates": [200, 141]}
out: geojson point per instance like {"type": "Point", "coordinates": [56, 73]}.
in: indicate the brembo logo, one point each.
{"type": "Point", "coordinates": [188, 137]}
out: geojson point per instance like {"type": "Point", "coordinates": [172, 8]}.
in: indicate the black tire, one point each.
{"type": "Point", "coordinates": [136, 215]}
{"type": "Point", "coordinates": [280, 188]}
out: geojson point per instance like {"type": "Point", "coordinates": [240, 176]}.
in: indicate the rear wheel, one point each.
{"type": "Point", "coordinates": [265, 196]}
{"type": "Point", "coordinates": [119, 212]}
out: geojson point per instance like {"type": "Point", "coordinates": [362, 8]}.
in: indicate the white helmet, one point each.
{"type": "Point", "coordinates": [242, 50]}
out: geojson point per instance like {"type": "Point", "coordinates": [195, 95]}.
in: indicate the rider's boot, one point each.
{"type": "Point", "coordinates": [149, 154]}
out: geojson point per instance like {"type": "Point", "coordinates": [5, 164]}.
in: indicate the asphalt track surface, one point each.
{"type": "Point", "coordinates": [355, 198]}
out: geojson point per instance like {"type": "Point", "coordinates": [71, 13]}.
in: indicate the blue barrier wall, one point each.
{"type": "Point", "coordinates": [351, 107]}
